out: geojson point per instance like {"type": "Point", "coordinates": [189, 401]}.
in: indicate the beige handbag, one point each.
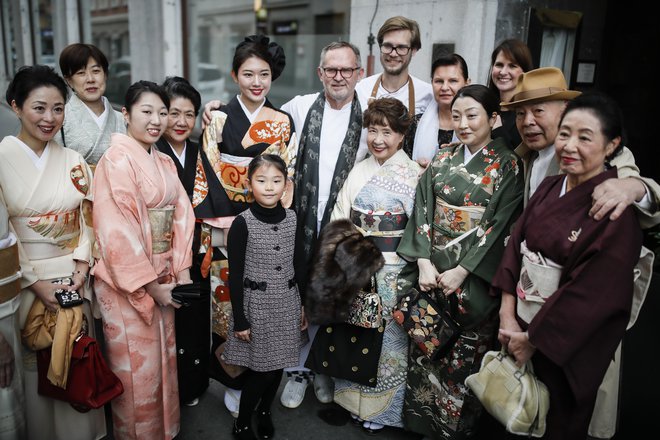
{"type": "Point", "coordinates": [514, 396]}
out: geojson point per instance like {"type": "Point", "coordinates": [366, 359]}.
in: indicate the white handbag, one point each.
{"type": "Point", "coordinates": [514, 396]}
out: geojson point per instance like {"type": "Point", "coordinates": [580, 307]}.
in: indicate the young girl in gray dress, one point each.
{"type": "Point", "coordinates": [267, 311]}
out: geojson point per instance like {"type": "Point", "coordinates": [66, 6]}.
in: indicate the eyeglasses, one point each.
{"type": "Point", "coordinates": [387, 48]}
{"type": "Point", "coordinates": [346, 72]}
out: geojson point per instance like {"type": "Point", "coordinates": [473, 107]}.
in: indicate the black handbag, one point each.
{"type": "Point", "coordinates": [185, 293]}
{"type": "Point", "coordinates": [428, 322]}
{"type": "Point", "coordinates": [348, 352]}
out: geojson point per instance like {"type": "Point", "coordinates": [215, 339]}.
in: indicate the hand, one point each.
{"type": "Point", "coordinates": [162, 293]}
{"type": "Point", "coordinates": [6, 362]}
{"type": "Point", "coordinates": [45, 291]}
{"type": "Point", "coordinates": [508, 319]}
{"type": "Point", "coordinates": [243, 335]}
{"type": "Point", "coordinates": [303, 319]}
{"type": "Point", "coordinates": [428, 275]}
{"type": "Point", "coordinates": [208, 108]}
{"type": "Point", "coordinates": [519, 346]}
{"type": "Point", "coordinates": [79, 276]}
{"type": "Point", "coordinates": [615, 195]}
{"type": "Point", "coordinates": [423, 163]}
{"type": "Point", "coordinates": [451, 280]}
{"type": "Point", "coordinates": [183, 277]}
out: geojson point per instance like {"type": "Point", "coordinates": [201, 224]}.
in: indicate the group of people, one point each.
{"type": "Point", "coordinates": [461, 186]}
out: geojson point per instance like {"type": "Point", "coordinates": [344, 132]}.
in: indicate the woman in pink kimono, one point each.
{"type": "Point", "coordinates": [44, 187]}
{"type": "Point", "coordinates": [144, 228]}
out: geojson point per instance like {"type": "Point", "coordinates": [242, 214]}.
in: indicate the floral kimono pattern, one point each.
{"type": "Point", "coordinates": [379, 200]}
{"type": "Point", "coordinates": [463, 213]}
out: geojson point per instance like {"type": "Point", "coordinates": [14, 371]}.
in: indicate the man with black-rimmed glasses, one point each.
{"type": "Point", "coordinates": [399, 40]}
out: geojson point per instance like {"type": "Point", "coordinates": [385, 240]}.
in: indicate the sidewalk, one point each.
{"type": "Point", "coordinates": [210, 420]}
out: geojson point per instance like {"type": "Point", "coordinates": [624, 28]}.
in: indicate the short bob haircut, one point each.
{"type": "Point", "coordinates": [178, 87]}
{"type": "Point", "coordinates": [29, 78]}
{"type": "Point", "coordinates": [76, 56]}
{"type": "Point", "coordinates": [387, 111]}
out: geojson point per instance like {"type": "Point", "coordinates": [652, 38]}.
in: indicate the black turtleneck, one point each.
{"type": "Point", "coordinates": [236, 246]}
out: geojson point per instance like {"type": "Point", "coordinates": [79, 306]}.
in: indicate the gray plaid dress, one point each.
{"type": "Point", "coordinates": [273, 313]}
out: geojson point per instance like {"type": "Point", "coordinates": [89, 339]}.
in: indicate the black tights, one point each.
{"type": "Point", "coordinates": [260, 388]}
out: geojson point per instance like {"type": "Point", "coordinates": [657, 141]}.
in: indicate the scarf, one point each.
{"type": "Point", "coordinates": [305, 194]}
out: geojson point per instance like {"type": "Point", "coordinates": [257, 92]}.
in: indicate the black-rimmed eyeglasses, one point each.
{"type": "Point", "coordinates": [345, 73]}
{"type": "Point", "coordinates": [387, 48]}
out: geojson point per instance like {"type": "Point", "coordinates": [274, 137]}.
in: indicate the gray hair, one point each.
{"type": "Point", "coordinates": [340, 45]}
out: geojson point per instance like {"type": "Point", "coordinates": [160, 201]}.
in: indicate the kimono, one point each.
{"type": "Point", "coordinates": [220, 190]}
{"type": "Point", "coordinates": [379, 199]}
{"type": "Point", "coordinates": [81, 133]}
{"type": "Point", "coordinates": [463, 212]}
{"type": "Point", "coordinates": [193, 323]}
{"type": "Point", "coordinates": [578, 328]}
{"type": "Point", "coordinates": [132, 184]}
{"type": "Point", "coordinates": [45, 213]}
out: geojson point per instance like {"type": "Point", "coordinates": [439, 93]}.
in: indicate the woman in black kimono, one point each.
{"type": "Point", "coordinates": [193, 328]}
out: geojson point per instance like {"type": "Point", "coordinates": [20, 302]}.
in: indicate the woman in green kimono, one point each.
{"type": "Point", "coordinates": [465, 204]}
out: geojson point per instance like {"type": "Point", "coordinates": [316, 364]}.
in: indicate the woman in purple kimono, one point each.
{"type": "Point", "coordinates": [571, 329]}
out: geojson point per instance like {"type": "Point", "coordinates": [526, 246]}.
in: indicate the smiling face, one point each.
{"type": "Point", "coordinates": [538, 123]}
{"type": "Point", "coordinates": [254, 79]}
{"type": "Point", "coordinates": [180, 120]}
{"type": "Point", "coordinates": [393, 63]}
{"type": "Point", "coordinates": [41, 115]}
{"type": "Point", "coordinates": [147, 119]}
{"type": "Point", "coordinates": [89, 82]}
{"type": "Point", "coordinates": [472, 124]}
{"type": "Point", "coordinates": [505, 73]}
{"type": "Point", "coordinates": [337, 89]}
{"type": "Point", "coordinates": [383, 142]}
{"type": "Point", "coordinates": [267, 185]}
{"type": "Point", "coordinates": [581, 147]}
{"type": "Point", "coordinates": [446, 81]}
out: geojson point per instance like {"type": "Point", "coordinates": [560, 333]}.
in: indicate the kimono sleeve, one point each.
{"type": "Point", "coordinates": [117, 223]}
{"type": "Point", "coordinates": [83, 252]}
{"type": "Point", "coordinates": [183, 225]}
{"type": "Point", "coordinates": [29, 276]}
{"type": "Point", "coordinates": [290, 152]}
{"type": "Point", "coordinates": [503, 209]}
{"type": "Point", "coordinates": [416, 240]}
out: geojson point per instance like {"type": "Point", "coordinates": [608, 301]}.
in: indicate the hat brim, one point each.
{"type": "Point", "coordinates": [565, 95]}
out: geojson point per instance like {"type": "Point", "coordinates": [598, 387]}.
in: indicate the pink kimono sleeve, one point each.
{"type": "Point", "coordinates": [125, 250]}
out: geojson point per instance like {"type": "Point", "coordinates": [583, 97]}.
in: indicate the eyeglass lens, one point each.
{"type": "Point", "coordinates": [400, 50]}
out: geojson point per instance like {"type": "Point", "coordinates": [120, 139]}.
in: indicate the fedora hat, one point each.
{"type": "Point", "coordinates": [539, 85]}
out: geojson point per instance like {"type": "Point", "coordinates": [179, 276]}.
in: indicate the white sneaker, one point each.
{"type": "Point", "coordinates": [294, 391]}
{"type": "Point", "coordinates": [232, 401]}
{"type": "Point", "coordinates": [324, 388]}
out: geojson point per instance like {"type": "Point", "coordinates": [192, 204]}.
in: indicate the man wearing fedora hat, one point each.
{"type": "Point", "coordinates": [538, 102]}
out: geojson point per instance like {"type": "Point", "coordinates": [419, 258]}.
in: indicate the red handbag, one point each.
{"type": "Point", "coordinates": [91, 383]}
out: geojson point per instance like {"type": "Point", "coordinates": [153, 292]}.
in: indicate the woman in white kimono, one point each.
{"type": "Point", "coordinates": [89, 118]}
{"type": "Point", "coordinates": [378, 197]}
{"type": "Point", "coordinates": [44, 187]}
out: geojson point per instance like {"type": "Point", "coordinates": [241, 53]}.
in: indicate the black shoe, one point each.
{"type": "Point", "coordinates": [244, 433]}
{"type": "Point", "coordinates": [265, 428]}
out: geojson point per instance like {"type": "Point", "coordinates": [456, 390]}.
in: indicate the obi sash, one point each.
{"type": "Point", "coordinates": [452, 224]}
{"type": "Point", "coordinates": [233, 177]}
{"type": "Point", "coordinates": [49, 235]}
{"type": "Point", "coordinates": [385, 230]}
{"type": "Point", "coordinates": [538, 281]}
{"type": "Point", "coordinates": [10, 274]}
{"type": "Point", "coordinates": [161, 220]}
